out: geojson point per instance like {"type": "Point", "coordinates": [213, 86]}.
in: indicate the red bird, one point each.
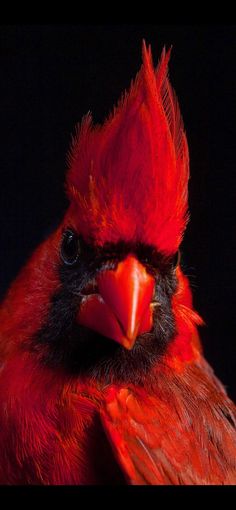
{"type": "Point", "coordinates": [102, 378]}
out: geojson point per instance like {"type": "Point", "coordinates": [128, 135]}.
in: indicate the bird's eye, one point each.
{"type": "Point", "coordinates": [176, 259]}
{"type": "Point", "coordinates": [70, 247]}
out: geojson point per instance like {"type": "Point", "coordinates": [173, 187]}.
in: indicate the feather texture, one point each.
{"type": "Point", "coordinates": [128, 179]}
{"type": "Point", "coordinates": [175, 425]}
{"type": "Point", "coordinates": [182, 434]}
{"type": "Point", "coordinates": [179, 429]}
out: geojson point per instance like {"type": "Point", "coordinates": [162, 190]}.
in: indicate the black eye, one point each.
{"type": "Point", "coordinates": [176, 259]}
{"type": "Point", "coordinates": [70, 247]}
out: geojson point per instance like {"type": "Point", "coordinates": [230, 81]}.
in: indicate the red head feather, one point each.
{"type": "Point", "coordinates": [128, 178]}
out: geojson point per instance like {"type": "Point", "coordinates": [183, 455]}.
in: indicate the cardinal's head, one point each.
{"type": "Point", "coordinates": [122, 302]}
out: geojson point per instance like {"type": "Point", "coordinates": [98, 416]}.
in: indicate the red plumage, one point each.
{"type": "Point", "coordinates": [127, 182]}
{"type": "Point", "coordinates": [128, 178]}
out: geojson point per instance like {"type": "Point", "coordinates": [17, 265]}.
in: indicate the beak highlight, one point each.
{"type": "Point", "coordinates": [122, 309]}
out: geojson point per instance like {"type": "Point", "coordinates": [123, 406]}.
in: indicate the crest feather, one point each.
{"type": "Point", "coordinates": [128, 179]}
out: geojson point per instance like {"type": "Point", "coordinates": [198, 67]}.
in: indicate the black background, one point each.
{"type": "Point", "coordinates": [52, 75]}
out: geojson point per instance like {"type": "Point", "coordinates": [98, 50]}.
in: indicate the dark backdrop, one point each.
{"type": "Point", "coordinates": [52, 75]}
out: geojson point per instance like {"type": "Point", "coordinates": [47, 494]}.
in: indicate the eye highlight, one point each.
{"type": "Point", "coordinates": [70, 247]}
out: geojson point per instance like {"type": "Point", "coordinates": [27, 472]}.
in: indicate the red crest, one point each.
{"type": "Point", "coordinates": [128, 179]}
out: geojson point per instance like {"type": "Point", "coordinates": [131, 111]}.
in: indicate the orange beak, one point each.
{"type": "Point", "coordinates": [122, 309]}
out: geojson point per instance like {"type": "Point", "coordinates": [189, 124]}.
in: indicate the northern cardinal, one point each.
{"type": "Point", "coordinates": [103, 380]}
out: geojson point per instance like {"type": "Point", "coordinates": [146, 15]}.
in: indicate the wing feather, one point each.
{"type": "Point", "coordinates": [172, 436]}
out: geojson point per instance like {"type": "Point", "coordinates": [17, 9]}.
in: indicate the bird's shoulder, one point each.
{"type": "Point", "coordinates": [181, 432]}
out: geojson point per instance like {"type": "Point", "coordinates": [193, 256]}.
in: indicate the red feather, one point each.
{"type": "Point", "coordinates": [171, 435]}
{"type": "Point", "coordinates": [128, 179]}
{"type": "Point", "coordinates": [178, 429]}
